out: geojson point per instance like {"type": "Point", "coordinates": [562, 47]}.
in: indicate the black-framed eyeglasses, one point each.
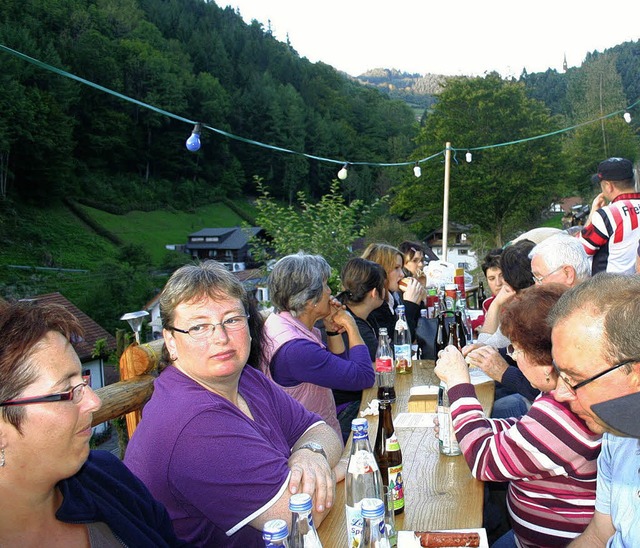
{"type": "Point", "coordinates": [205, 330]}
{"type": "Point", "coordinates": [75, 395]}
{"type": "Point", "coordinates": [575, 387]}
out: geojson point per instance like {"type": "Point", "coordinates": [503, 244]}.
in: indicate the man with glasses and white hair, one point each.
{"type": "Point", "coordinates": [596, 351]}
{"type": "Point", "coordinates": [560, 259]}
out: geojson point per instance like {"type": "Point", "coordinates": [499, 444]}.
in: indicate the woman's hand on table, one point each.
{"type": "Point", "coordinates": [489, 360]}
{"type": "Point", "coordinates": [311, 473]}
{"type": "Point", "coordinates": [451, 367]}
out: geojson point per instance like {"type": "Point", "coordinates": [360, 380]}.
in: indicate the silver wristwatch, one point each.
{"type": "Point", "coordinates": [313, 446]}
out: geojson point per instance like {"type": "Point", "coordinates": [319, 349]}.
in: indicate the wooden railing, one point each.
{"type": "Point", "coordinates": [128, 396]}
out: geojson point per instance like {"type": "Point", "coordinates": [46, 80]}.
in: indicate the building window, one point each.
{"type": "Point", "coordinates": [212, 239]}
{"type": "Point", "coordinates": [197, 239]}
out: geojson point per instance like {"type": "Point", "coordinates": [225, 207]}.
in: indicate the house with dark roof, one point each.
{"type": "Point", "coordinates": [229, 246]}
{"type": "Point", "coordinates": [93, 368]}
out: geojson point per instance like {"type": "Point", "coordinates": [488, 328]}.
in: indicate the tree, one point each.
{"type": "Point", "coordinates": [504, 188]}
{"type": "Point", "coordinates": [327, 227]}
{"type": "Point", "coordinates": [596, 92]}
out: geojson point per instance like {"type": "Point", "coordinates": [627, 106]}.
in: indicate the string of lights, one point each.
{"type": "Point", "coordinates": [193, 143]}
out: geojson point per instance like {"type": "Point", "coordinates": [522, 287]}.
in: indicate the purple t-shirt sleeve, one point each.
{"type": "Point", "coordinates": [230, 468]}
{"type": "Point", "coordinates": [304, 361]}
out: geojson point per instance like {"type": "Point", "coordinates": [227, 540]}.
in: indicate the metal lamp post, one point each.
{"type": "Point", "coordinates": [135, 321]}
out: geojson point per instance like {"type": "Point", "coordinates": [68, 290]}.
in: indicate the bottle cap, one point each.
{"type": "Point", "coordinates": [275, 529]}
{"type": "Point", "coordinates": [360, 428]}
{"type": "Point", "coordinates": [300, 502]}
{"type": "Point", "coordinates": [372, 508]}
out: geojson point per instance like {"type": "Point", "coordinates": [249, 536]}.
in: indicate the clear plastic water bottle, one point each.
{"type": "Point", "coordinates": [303, 532]}
{"type": "Point", "coordinates": [402, 343]}
{"type": "Point", "coordinates": [385, 372]}
{"type": "Point", "coordinates": [275, 533]}
{"type": "Point", "coordinates": [446, 435]}
{"type": "Point", "coordinates": [363, 480]}
{"type": "Point", "coordinates": [374, 533]}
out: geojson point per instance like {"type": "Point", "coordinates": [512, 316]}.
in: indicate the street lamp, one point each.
{"type": "Point", "coordinates": [135, 321]}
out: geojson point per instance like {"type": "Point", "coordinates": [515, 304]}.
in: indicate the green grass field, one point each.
{"type": "Point", "coordinates": [155, 229]}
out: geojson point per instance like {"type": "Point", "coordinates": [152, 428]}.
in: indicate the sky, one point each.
{"type": "Point", "coordinates": [461, 37]}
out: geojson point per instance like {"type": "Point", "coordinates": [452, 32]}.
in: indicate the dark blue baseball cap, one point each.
{"type": "Point", "coordinates": [621, 413]}
{"type": "Point", "coordinates": [613, 169]}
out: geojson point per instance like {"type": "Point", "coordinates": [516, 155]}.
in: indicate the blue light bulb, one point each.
{"type": "Point", "coordinates": [193, 142]}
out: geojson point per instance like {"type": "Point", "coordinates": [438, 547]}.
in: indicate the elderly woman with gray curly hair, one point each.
{"type": "Point", "coordinates": [295, 356]}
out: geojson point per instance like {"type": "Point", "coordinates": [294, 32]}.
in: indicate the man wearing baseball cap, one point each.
{"type": "Point", "coordinates": [611, 232]}
{"type": "Point", "coordinates": [596, 352]}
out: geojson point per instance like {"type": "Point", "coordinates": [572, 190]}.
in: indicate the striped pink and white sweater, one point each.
{"type": "Point", "coordinates": [548, 457]}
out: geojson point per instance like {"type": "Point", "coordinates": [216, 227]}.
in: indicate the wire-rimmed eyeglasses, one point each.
{"type": "Point", "coordinates": [75, 395]}
{"type": "Point", "coordinates": [540, 279]}
{"type": "Point", "coordinates": [205, 330]}
{"type": "Point", "coordinates": [574, 387]}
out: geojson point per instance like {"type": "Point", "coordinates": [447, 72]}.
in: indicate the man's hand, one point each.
{"type": "Point", "coordinates": [489, 360]}
{"type": "Point", "coordinates": [451, 367]}
{"type": "Point", "coordinates": [311, 473]}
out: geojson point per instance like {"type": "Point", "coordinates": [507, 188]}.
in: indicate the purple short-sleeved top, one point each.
{"type": "Point", "coordinates": [213, 467]}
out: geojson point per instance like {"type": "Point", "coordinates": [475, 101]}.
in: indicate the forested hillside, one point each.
{"type": "Point", "coordinates": [193, 59]}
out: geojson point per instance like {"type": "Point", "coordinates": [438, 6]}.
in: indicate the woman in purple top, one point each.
{"type": "Point", "coordinates": [219, 444]}
{"type": "Point", "coordinates": [294, 355]}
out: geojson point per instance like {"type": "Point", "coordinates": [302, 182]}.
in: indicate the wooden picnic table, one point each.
{"type": "Point", "coordinates": [440, 492]}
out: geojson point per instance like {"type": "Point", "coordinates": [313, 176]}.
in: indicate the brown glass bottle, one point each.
{"type": "Point", "coordinates": [389, 456]}
{"type": "Point", "coordinates": [460, 332]}
{"type": "Point", "coordinates": [441, 334]}
{"type": "Point", "coordinates": [453, 335]}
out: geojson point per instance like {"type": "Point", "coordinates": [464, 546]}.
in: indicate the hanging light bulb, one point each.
{"type": "Point", "coordinates": [627, 117]}
{"type": "Point", "coordinates": [342, 174]}
{"type": "Point", "coordinates": [416, 170]}
{"type": "Point", "coordinates": [468, 157]}
{"type": "Point", "coordinates": [193, 142]}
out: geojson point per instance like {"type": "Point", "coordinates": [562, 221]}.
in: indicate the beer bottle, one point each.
{"type": "Point", "coordinates": [482, 296]}
{"type": "Point", "coordinates": [460, 329]}
{"type": "Point", "coordinates": [441, 334]}
{"type": "Point", "coordinates": [389, 456]}
{"type": "Point", "coordinates": [453, 335]}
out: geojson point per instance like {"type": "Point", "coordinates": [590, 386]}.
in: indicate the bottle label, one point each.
{"type": "Point", "coordinates": [392, 443]}
{"type": "Point", "coordinates": [354, 525]}
{"type": "Point", "coordinates": [384, 364]}
{"type": "Point", "coordinates": [362, 462]}
{"type": "Point", "coordinates": [403, 357]}
{"type": "Point", "coordinates": [396, 486]}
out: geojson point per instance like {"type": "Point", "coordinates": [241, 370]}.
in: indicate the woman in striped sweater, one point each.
{"type": "Point", "coordinates": [549, 455]}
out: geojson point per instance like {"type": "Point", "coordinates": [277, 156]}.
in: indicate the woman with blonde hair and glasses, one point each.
{"type": "Point", "coordinates": [220, 444]}
{"type": "Point", "coordinates": [549, 455]}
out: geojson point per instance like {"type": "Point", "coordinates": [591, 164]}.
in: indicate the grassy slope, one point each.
{"type": "Point", "coordinates": [155, 229]}
{"type": "Point", "coordinates": [55, 237]}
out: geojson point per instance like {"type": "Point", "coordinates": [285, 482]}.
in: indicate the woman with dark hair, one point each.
{"type": "Point", "coordinates": [363, 292]}
{"type": "Point", "coordinates": [516, 272]}
{"type": "Point", "coordinates": [294, 355]}
{"type": "Point", "coordinates": [549, 455]}
{"type": "Point", "coordinates": [54, 490]}
{"type": "Point", "coordinates": [220, 444]}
